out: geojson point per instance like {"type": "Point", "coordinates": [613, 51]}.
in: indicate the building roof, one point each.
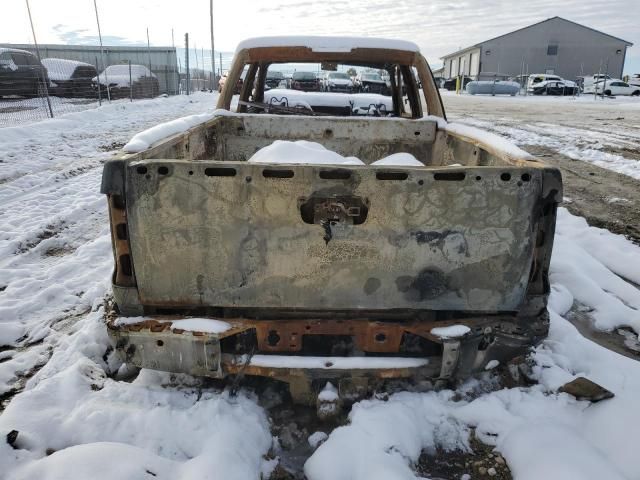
{"type": "Point", "coordinates": [629, 44]}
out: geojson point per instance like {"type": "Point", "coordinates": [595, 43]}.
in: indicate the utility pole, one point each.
{"type": "Point", "coordinates": [195, 50]}
{"type": "Point", "coordinates": [186, 60]}
{"type": "Point", "coordinates": [148, 50]}
{"type": "Point", "coordinates": [173, 45]}
{"type": "Point", "coordinates": [213, 55]}
{"type": "Point", "coordinates": [35, 42]}
{"type": "Point", "coordinates": [106, 77]}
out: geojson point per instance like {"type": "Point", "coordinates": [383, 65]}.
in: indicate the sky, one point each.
{"type": "Point", "coordinates": [439, 27]}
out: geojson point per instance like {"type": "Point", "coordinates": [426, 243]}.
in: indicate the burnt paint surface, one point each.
{"type": "Point", "coordinates": [222, 241]}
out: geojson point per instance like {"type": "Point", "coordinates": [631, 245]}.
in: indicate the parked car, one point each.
{"type": "Point", "coordinates": [589, 80]}
{"type": "Point", "coordinates": [497, 87]}
{"type": "Point", "coordinates": [612, 88]}
{"type": "Point", "coordinates": [451, 83]}
{"type": "Point", "coordinates": [305, 81]}
{"type": "Point", "coordinates": [274, 79]}
{"type": "Point", "coordinates": [555, 87]}
{"type": "Point", "coordinates": [337, 82]}
{"type": "Point", "coordinates": [69, 78]}
{"type": "Point", "coordinates": [124, 81]}
{"type": "Point", "coordinates": [371, 82]}
{"type": "Point", "coordinates": [634, 80]}
{"type": "Point", "coordinates": [536, 78]}
{"type": "Point", "coordinates": [21, 73]}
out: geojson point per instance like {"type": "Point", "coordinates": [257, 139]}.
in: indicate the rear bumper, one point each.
{"type": "Point", "coordinates": [159, 343]}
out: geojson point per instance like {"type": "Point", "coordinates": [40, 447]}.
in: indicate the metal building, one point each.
{"type": "Point", "coordinates": [163, 60]}
{"type": "Point", "coordinates": [555, 46]}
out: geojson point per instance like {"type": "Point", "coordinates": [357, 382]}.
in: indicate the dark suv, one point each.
{"type": "Point", "coordinates": [21, 73]}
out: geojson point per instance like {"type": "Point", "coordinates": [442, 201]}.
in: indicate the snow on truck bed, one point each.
{"type": "Point", "coordinates": [82, 416]}
{"type": "Point", "coordinates": [303, 152]}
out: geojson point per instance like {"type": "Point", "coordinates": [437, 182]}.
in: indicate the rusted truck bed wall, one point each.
{"type": "Point", "coordinates": [237, 138]}
{"type": "Point", "coordinates": [457, 240]}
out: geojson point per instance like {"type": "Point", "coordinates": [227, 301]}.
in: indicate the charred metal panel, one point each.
{"type": "Point", "coordinates": [225, 234]}
{"type": "Point", "coordinates": [239, 137]}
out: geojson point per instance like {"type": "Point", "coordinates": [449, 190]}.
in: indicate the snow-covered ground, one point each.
{"type": "Point", "coordinates": [81, 415]}
{"type": "Point", "coordinates": [605, 132]}
{"type": "Point", "coordinates": [23, 111]}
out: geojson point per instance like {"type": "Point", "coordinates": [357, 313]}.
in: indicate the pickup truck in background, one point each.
{"type": "Point", "coordinates": [350, 273]}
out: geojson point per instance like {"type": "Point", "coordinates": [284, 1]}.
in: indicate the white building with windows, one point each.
{"type": "Point", "coordinates": [555, 46]}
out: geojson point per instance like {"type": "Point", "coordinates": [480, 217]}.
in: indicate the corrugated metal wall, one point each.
{"type": "Point", "coordinates": [579, 51]}
{"type": "Point", "coordinates": [164, 63]}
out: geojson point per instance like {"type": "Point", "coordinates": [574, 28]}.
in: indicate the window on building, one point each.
{"type": "Point", "coordinates": [552, 50]}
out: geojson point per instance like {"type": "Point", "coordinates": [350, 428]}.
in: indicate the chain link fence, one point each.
{"type": "Point", "coordinates": [51, 80]}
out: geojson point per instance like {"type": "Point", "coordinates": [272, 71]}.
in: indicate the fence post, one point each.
{"type": "Point", "coordinates": [131, 83]}
{"type": "Point", "coordinates": [44, 80]}
{"type": "Point", "coordinates": [186, 54]}
{"type": "Point", "coordinates": [98, 77]}
{"type": "Point", "coordinates": [106, 77]}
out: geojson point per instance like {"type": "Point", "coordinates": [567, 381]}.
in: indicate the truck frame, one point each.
{"type": "Point", "coordinates": [312, 273]}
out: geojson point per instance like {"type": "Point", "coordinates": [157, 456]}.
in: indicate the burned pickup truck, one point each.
{"type": "Point", "coordinates": [313, 272]}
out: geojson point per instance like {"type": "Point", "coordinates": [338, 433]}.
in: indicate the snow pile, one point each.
{"type": "Point", "coordinates": [335, 363]}
{"type": "Point", "coordinates": [303, 152]}
{"type": "Point", "coordinates": [589, 266]}
{"type": "Point", "coordinates": [316, 439]}
{"type": "Point", "coordinates": [207, 325]}
{"type": "Point", "coordinates": [452, 331]}
{"type": "Point", "coordinates": [148, 427]}
{"type": "Point", "coordinates": [399, 160]}
{"type": "Point", "coordinates": [300, 152]}
{"type": "Point", "coordinates": [55, 250]}
{"type": "Point", "coordinates": [329, 393]}
{"type": "Point", "coordinates": [496, 142]}
{"type": "Point", "coordinates": [143, 140]}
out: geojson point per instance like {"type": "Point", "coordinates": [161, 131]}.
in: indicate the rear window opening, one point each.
{"type": "Point", "coordinates": [378, 90]}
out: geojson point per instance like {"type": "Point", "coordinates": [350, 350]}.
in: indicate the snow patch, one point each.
{"type": "Point", "coordinates": [300, 152]}
{"type": "Point", "coordinates": [207, 325]}
{"type": "Point", "coordinates": [336, 363]}
{"type": "Point", "coordinates": [399, 160]}
{"type": "Point", "coordinates": [316, 439]}
{"type": "Point", "coordinates": [496, 142]}
{"type": "Point", "coordinates": [144, 140]}
{"type": "Point", "coordinates": [329, 393]}
{"type": "Point", "coordinates": [452, 331]}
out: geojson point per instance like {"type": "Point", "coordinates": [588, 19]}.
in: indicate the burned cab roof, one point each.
{"type": "Point", "coordinates": [327, 44]}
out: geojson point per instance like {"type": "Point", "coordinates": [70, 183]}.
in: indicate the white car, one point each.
{"type": "Point", "coordinates": [612, 88]}
{"type": "Point", "coordinates": [598, 77]}
{"type": "Point", "coordinates": [536, 78]}
{"type": "Point", "coordinates": [635, 80]}
{"type": "Point", "coordinates": [337, 82]}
